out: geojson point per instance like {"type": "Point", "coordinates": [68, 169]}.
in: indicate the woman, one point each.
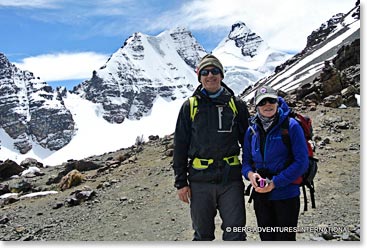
{"type": "Point", "coordinates": [273, 170]}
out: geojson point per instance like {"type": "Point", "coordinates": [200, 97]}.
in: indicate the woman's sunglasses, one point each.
{"type": "Point", "coordinates": [269, 100]}
{"type": "Point", "coordinates": [205, 72]}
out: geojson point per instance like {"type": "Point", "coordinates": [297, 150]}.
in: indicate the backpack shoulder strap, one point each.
{"type": "Point", "coordinates": [232, 105]}
{"type": "Point", "coordinates": [284, 128]}
{"type": "Point", "coordinates": [193, 107]}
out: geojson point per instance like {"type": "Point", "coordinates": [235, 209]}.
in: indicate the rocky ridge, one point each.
{"type": "Point", "coordinates": [326, 32]}
{"type": "Point", "coordinates": [321, 73]}
{"type": "Point", "coordinates": [32, 111]}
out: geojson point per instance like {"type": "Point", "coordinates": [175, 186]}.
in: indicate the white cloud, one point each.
{"type": "Point", "coordinates": [28, 3]}
{"type": "Point", "coordinates": [49, 4]}
{"type": "Point", "coordinates": [284, 24]}
{"type": "Point", "coordinates": [63, 66]}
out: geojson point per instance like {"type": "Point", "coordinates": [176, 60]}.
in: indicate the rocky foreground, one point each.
{"type": "Point", "coordinates": [128, 195]}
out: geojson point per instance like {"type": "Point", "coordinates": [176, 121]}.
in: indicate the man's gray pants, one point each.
{"type": "Point", "coordinates": [206, 198]}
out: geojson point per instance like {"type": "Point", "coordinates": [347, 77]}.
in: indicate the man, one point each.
{"type": "Point", "coordinates": [208, 135]}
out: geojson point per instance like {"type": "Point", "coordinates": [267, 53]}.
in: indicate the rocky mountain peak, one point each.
{"type": "Point", "coordinates": [187, 46]}
{"type": "Point", "coordinates": [135, 47]}
{"type": "Point", "coordinates": [180, 30]}
{"type": "Point", "coordinates": [239, 30]}
{"type": "Point", "coordinates": [246, 57]}
{"type": "Point", "coordinates": [31, 111]}
{"type": "Point", "coordinates": [144, 68]}
{"type": "Point", "coordinates": [4, 62]}
{"type": "Point", "coordinates": [245, 39]}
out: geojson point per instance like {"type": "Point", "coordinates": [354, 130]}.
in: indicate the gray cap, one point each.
{"type": "Point", "coordinates": [265, 92]}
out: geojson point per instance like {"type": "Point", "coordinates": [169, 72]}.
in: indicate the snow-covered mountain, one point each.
{"type": "Point", "coordinates": [147, 79]}
{"type": "Point", "coordinates": [146, 67]}
{"type": "Point", "coordinates": [139, 90]}
{"type": "Point", "coordinates": [147, 75]}
{"type": "Point", "coordinates": [31, 112]}
{"type": "Point", "coordinates": [322, 46]}
{"type": "Point", "coordinates": [143, 69]}
{"type": "Point", "coordinates": [246, 57]}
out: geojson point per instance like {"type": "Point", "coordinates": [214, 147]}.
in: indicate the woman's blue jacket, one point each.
{"type": "Point", "coordinates": [276, 155]}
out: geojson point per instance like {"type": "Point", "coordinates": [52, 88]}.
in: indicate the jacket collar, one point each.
{"type": "Point", "coordinates": [198, 90]}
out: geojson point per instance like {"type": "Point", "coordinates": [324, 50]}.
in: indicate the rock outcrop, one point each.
{"type": "Point", "coordinates": [31, 110]}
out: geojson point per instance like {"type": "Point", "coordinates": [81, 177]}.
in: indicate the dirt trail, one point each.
{"type": "Point", "coordinates": [136, 201]}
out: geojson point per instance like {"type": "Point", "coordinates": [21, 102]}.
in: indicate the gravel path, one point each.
{"type": "Point", "coordinates": [136, 201]}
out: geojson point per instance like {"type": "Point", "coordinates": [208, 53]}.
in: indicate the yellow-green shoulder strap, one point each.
{"type": "Point", "coordinates": [232, 105]}
{"type": "Point", "coordinates": [193, 107]}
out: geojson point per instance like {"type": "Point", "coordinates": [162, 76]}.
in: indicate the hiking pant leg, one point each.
{"type": "Point", "coordinates": [278, 213]}
{"type": "Point", "coordinates": [265, 216]}
{"type": "Point", "coordinates": [203, 210]}
{"type": "Point", "coordinates": [231, 206]}
{"type": "Point", "coordinates": [287, 213]}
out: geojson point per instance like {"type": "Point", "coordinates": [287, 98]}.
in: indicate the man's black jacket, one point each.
{"type": "Point", "coordinates": [215, 133]}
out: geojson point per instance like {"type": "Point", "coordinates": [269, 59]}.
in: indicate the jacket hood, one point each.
{"type": "Point", "coordinates": [283, 109]}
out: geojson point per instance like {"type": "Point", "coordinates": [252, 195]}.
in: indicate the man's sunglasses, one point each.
{"type": "Point", "coordinates": [214, 71]}
{"type": "Point", "coordinates": [269, 100]}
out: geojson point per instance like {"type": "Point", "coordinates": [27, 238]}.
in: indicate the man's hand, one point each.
{"type": "Point", "coordinates": [184, 194]}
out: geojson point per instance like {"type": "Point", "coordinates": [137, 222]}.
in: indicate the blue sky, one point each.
{"type": "Point", "coordinates": [65, 40]}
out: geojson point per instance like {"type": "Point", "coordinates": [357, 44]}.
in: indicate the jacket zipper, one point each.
{"type": "Point", "coordinates": [220, 110]}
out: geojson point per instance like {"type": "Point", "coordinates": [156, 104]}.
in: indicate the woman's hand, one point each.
{"type": "Point", "coordinates": [268, 187]}
{"type": "Point", "coordinates": [253, 177]}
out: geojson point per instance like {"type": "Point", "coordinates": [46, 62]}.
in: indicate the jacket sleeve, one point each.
{"type": "Point", "coordinates": [181, 146]}
{"type": "Point", "coordinates": [246, 155]}
{"type": "Point", "coordinates": [300, 156]}
{"type": "Point", "coordinates": [243, 116]}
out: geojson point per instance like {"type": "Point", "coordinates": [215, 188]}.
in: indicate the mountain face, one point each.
{"type": "Point", "coordinates": [31, 112]}
{"type": "Point", "coordinates": [149, 70]}
{"type": "Point", "coordinates": [147, 67]}
{"type": "Point", "coordinates": [144, 68]}
{"type": "Point", "coordinates": [327, 70]}
{"type": "Point", "coordinates": [246, 57]}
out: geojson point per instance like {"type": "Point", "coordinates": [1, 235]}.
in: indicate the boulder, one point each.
{"type": "Point", "coordinates": [31, 162]}
{"type": "Point", "coordinates": [9, 168]}
{"type": "Point", "coordinates": [333, 101]}
{"type": "Point", "coordinates": [73, 178]}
